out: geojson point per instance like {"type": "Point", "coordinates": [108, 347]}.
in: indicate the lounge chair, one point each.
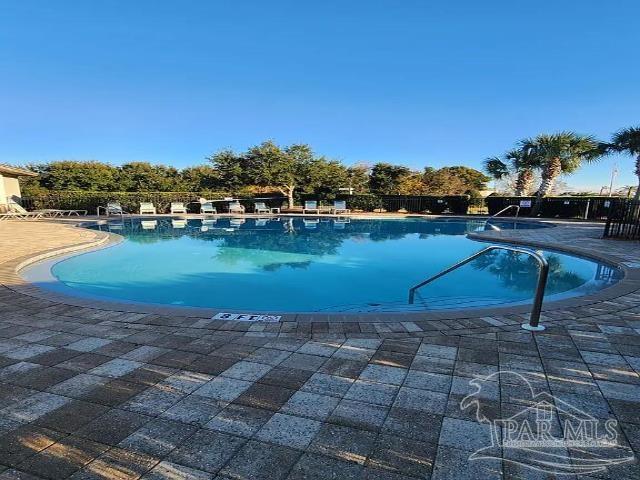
{"type": "Point", "coordinates": [310, 206]}
{"type": "Point", "coordinates": [208, 208]}
{"type": "Point", "coordinates": [340, 206]}
{"type": "Point", "coordinates": [261, 207]}
{"type": "Point", "coordinates": [178, 207]}
{"type": "Point", "coordinates": [236, 207]}
{"type": "Point", "coordinates": [112, 208]}
{"type": "Point", "coordinates": [20, 216]}
{"type": "Point", "coordinates": [22, 213]}
{"type": "Point", "coordinates": [147, 207]}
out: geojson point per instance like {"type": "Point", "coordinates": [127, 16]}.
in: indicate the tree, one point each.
{"type": "Point", "coordinates": [628, 141]}
{"type": "Point", "coordinates": [75, 175]}
{"type": "Point", "coordinates": [523, 162]}
{"type": "Point", "coordinates": [559, 153]}
{"type": "Point", "coordinates": [358, 178]}
{"type": "Point", "coordinates": [496, 168]}
{"type": "Point", "coordinates": [385, 179]}
{"type": "Point", "coordinates": [144, 177]}
{"type": "Point", "coordinates": [285, 169]}
{"type": "Point", "coordinates": [474, 180]}
{"type": "Point", "coordinates": [230, 169]}
{"type": "Point", "coordinates": [200, 179]}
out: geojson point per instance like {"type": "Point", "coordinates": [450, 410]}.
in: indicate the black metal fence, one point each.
{"type": "Point", "coordinates": [624, 222]}
{"type": "Point", "coordinates": [586, 208]}
{"type": "Point", "coordinates": [589, 208]}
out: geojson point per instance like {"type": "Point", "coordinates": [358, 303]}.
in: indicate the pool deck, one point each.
{"type": "Point", "coordinates": [101, 390]}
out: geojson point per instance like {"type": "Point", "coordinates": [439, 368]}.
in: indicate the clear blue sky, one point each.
{"type": "Point", "coordinates": [416, 82]}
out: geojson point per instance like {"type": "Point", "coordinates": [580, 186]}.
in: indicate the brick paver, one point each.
{"type": "Point", "coordinates": [106, 393]}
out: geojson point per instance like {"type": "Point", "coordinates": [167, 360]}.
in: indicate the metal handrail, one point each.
{"type": "Point", "coordinates": [508, 207]}
{"type": "Point", "coordinates": [534, 318]}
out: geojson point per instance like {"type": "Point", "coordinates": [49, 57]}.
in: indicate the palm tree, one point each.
{"type": "Point", "coordinates": [627, 140]}
{"type": "Point", "coordinates": [524, 162]}
{"type": "Point", "coordinates": [559, 153]}
{"type": "Point", "coordinates": [496, 168]}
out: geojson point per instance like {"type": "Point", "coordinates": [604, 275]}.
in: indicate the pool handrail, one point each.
{"type": "Point", "coordinates": [508, 207]}
{"type": "Point", "coordinates": [534, 317]}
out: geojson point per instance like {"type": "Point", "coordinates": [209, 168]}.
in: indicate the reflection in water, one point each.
{"type": "Point", "coordinates": [314, 264]}
{"type": "Point", "coordinates": [520, 272]}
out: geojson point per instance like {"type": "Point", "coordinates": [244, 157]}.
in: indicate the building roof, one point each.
{"type": "Point", "coordinates": [16, 171]}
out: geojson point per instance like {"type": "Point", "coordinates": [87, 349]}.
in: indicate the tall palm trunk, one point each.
{"type": "Point", "coordinates": [524, 181]}
{"type": "Point", "coordinates": [636, 197]}
{"type": "Point", "coordinates": [550, 174]}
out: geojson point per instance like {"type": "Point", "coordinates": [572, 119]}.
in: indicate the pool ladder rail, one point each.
{"type": "Point", "coordinates": [534, 317]}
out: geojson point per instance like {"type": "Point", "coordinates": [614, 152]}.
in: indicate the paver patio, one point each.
{"type": "Point", "coordinates": [96, 392]}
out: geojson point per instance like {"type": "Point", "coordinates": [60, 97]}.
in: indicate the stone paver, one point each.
{"type": "Point", "coordinates": [88, 391]}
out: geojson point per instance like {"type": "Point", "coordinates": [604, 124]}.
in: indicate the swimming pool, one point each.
{"type": "Point", "coordinates": [313, 264]}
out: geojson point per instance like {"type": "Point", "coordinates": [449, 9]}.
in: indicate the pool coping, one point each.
{"type": "Point", "coordinates": [629, 283]}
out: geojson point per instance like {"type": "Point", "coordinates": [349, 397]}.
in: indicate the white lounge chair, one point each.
{"type": "Point", "coordinates": [208, 208]}
{"type": "Point", "coordinates": [340, 206]}
{"type": "Point", "coordinates": [178, 207]}
{"type": "Point", "coordinates": [236, 207]}
{"type": "Point", "coordinates": [310, 206]}
{"type": "Point", "coordinates": [147, 207]}
{"type": "Point", "coordinates": [261, 207]}
{"type": "Point", "coordinates": [19, 212]}
{"type": "Point", "coordinates": [112, 208]}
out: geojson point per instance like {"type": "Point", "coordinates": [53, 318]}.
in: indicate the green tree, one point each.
{"type": "Point", "coordinates": [268, 165]}
{"type": "Point", "coordinates": [144, 177]}
{"type": "Point", "coordinates": [75, 175]}
{"type": "Point", "coordinates": [557, 154]}
{"type": "Point", "coordinates": [201, 178]}
{"type": "Point", "coordinates": [496, 168]}
{"type": "Point", "coordinates": [628, 141]}
{"type": "Point", "coordinates": [454, 181]}
{"type": "Point", "coordinates": [385, 179]}
{"type": "Point", "coordinates": [523, 161]}
{"type": "Point", "coordinates": [230, 169]}
{"type": "Point", "coordinates": [358, 178]}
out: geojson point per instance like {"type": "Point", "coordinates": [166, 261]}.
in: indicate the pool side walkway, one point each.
{"type": "Point", "coordinates": [91, 392]}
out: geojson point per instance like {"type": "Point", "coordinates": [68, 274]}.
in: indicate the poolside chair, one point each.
{"type": "Point", "coordinates": [310, 206]}
{"type": "Point", "coordinates": [147, 207]}
{"type": "Point", "coordinates": [178, 207]}
{"type": "Point", "coordinates": [236, 207]}
{"type": "Point", "coordinates": [208, 208]}
{"type": "Point", "coordinates": [340, 206]}
{"type": "Point", "coordinates": [19, 212]}
{"type": "Point", "coordinates": [261, 207]}
{"type": "Point", "coordinates": [112, 208]}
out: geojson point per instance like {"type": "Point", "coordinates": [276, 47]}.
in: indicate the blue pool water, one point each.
{"type": "Point", "coordinates": [309, 265]}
